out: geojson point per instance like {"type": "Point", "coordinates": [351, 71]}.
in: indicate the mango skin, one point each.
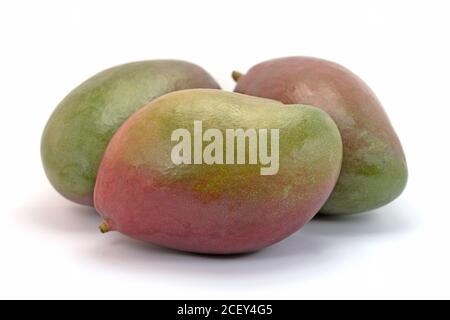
{"type": "Point", "coordinates": [78, 131]}
{"type": "Point", "coordinates": [216, 209]}
{"type": "Point", "coordinates": [374, 170]}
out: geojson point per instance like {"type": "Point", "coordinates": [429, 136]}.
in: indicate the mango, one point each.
{"type": "Point", "coordinates": [374, 170]}
{"type": "Point", "coordinates": [216, 172]}
{"type": "Point", "coordinates": [78, 131]}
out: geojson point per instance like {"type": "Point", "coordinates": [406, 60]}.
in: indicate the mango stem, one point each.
{"type": "Point", "coordinates": [236, 75]}
{"type": "Point", "coordinates": [104, 227]}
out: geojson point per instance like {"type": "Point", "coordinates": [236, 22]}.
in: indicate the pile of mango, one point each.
{"type": "Point", "coordinates": [111, 144]}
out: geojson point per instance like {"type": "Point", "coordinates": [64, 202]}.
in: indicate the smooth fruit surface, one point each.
{"type": "Point", "coordinates": [216, 208]}
{"type": "Point", "coordinates": [78, 131]}
{"type": "Point", "coordinates": [374, 170]}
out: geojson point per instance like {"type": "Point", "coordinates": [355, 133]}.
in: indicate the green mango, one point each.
{"type": "Point", "coordinates": [80, 128]}
{"type": "Point", "coordinates": [191, 171]}
{"type": "Point", "coordinates": [374, 170]}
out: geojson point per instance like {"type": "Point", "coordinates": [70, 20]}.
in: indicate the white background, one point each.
{"type": "Point", "coordinates": [51, 248]}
